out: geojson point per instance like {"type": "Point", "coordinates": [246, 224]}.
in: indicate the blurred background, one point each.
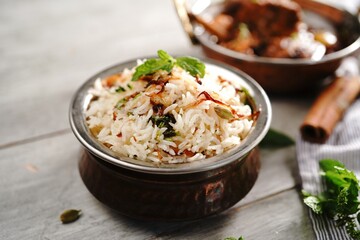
{"type": "Point", "coordinates": [59, 44]}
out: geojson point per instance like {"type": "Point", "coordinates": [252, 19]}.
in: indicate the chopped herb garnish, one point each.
{"type": "Point", "coordinates": [169, 133]}
{"type": "Point", "coordinates": [340, 198]}
{"type": "Point", "coordinates": [70, 215]}
{"type": "Point", "coordinates": [120, 103]}
{"type": "Point", "coordinates": [166, 62]}
{"type": "Point", "coordinates": [120, 89]}
{"type": "Point", "coordinates": [129, 86]}
{"type": "Point", "coordinates": [164, 122]}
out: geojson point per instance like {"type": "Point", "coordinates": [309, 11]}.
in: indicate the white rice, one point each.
{"type": "Point", "coordinates": [124, 121]}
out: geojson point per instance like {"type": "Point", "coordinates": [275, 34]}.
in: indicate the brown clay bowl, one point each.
{"type": "Point", "coordinates": [278, 75]}
{"type": "Point", "coordinates": [144, 190]}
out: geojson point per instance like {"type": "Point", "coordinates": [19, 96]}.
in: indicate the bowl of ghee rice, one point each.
{"type": "Point", "coordinates": [170, 138]}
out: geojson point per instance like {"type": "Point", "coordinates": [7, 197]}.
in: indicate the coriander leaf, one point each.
{"type": "Point", "coordinates": [164, 122]}
{"type": "Point", "coordinates": [120, 103]}
{"type": "Point", "coordinates": [192, 65]}
{"type": "Point", "coordinates": [151, 66]}
{"type": "Point", "coordinates": [276, 139]}
{"type": "Point", "coordinates": [169, 133]}
{"type": "Point", "coordinates": [120, 89]}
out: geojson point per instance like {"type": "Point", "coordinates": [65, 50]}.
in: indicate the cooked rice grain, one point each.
{"type": "Point", "coordinates": [168, 118]}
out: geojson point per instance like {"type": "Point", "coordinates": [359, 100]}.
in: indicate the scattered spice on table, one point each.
{"type": "Point", "coordinates": [70, 215]}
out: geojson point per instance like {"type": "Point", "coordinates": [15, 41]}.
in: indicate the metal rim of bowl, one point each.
{"type": "Point", "coordinates": [204, 39]}
{"type": "Point", "coordinates": [342, 53]}
{"type": "Point", "coordinates": [78, 125]}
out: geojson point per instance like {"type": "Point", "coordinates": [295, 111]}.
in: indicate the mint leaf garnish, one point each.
{"type": "Point", "coordinates": [151, 66]}
{"type": "Point", "coordinates": [192, 65]}
{"type": "Point", "coordinates": [166, 62]}
{"type": "Point", "coordinates": [165, 56]}
{"type": "Point", "coordinates": [340, 198]}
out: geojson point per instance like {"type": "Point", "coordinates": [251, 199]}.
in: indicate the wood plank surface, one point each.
{"type": "Point", "coordinates": [48, 49]}
{"type": "Point", "coordinates": [39, 180]}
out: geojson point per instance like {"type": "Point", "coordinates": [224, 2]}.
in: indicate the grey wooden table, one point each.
{"type": "Point", "coordinates": [48, 49]}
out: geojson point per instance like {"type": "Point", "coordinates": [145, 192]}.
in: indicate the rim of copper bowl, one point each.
{"type": "Point", "coordinates": [204, 39]}
{"type": "Point", "coordinates": [79, 127]}
{"type": "Point", "coordinates": [342, 53]}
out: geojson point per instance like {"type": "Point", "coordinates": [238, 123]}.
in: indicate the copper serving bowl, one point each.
{"type": "Point", "coordinates": [278, 75]}
{"type": "Point", "coordinates": [144, 190]}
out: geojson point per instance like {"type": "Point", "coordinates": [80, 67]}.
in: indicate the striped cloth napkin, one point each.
{"type": "Point", "coordinates": [343, 145]}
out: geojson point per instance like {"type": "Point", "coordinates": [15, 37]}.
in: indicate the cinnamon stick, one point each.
{"type": "Point", "coordinates": [329, 108]}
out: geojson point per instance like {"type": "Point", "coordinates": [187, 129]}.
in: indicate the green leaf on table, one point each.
{"type": "Point", "coordinates": [340, 198]}
{"type": "Point", "coordinates": [276, 139]}
{"type": "Point", "coordinates": [314, 203]}
{"type": "Point", "coordinates": [330, 164]}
